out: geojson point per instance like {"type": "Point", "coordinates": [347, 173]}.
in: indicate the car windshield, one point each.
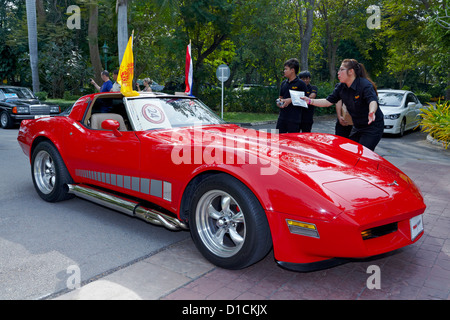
{"type": "Point", "coordinates": [169, 112]}
{"type": "Point", "coordinates": [390, 99]}
{"type": "Point", "coordinates": [16, 93]}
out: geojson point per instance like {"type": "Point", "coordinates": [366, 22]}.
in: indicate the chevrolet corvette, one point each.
{"type": "Point", "coordinates": [316, 199]}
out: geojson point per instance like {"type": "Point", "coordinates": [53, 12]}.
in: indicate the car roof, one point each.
{"type": "Point", "coordinates": [12, 87]}
{"type": "Point", "coordinates": [394, 91]}
{"type": "Point", "coordinates": [146, 95]}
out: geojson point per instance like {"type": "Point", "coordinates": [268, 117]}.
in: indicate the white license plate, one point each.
{"type": "Point", "coordinates": [416, 225]}
{"type": "Point", "coordinates": [41, 116]}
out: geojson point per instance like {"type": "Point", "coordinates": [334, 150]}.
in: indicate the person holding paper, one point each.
{"type": "Point", "coordinates": [290, 115]}
{"type": "Point", "coordinates": [359, 94]}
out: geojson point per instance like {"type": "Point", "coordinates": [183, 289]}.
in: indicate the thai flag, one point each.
{"type": "Point", "coordinates": [189, 71]}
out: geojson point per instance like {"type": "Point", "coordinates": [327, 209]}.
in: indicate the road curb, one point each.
{"type": "Point", "coordinates": [435, 142]}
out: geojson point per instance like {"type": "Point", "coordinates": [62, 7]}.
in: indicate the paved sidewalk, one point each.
{"type": "Point", "coordinates": [420, 271]}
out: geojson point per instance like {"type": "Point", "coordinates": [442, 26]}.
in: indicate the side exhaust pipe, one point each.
{"type": "Point", "coordinates": [127, 206]}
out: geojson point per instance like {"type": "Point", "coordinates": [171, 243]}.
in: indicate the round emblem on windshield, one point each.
{"type": "Point", "coordinates": [153, 114]}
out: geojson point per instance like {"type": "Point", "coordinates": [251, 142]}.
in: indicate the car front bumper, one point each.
{"type": "Point", "coordinates": [17, 118]}
{"type": "Point", "coordinates": [391, 126]}
{"type": "Point", "coordinates": [344, 237]}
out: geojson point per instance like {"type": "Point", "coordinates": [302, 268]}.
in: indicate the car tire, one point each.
{"type": "Point", "coordinates": [228, 224]}
{"type": "Point", "coordinates": [49, 173]}
{"type": "Point", "coordinates": [402, 128]}
{"type": "Point", "coordinates": [5, 120]}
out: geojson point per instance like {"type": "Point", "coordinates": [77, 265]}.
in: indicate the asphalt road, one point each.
{"type": "Point", "coordinates": [44, 246]}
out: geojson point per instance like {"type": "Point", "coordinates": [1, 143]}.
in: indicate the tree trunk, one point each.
{"type": "Point", "coordinates": [93, 43]}
{"type": "Point", "coordinates": [122, 27]}
{"type": "Point", "coordinates": [332, 50]}
{"type": "Point", "coordinates": [305, 31]}
{"type": "Point", "coordinates": [41, 15]}
{"type": "Point", "coordinates": [32, 43]}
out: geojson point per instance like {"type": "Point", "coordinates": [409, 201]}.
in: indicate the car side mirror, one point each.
{"type": "Point", "coordinates": [114, 125]}
{"type": "Point", "coordinates": [411, 104]}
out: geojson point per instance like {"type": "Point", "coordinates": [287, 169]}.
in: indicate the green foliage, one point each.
{"type": "Point", "coordinates": [245, 117]}
{"type": "Point", "coordinates": [64, 104]}
{"type": "Point", "coordinates": [254, 37]}
{"type": "Point", "coordinates": [69, 96]}
{"type": "Point", "coordinates": [257, 100]}
{"type": "Point", "coordinates": [423, 97]}
{"type": "Point", "coordinates": [436, 121]}
{"type": "Point", "coordinates": [41, 95]}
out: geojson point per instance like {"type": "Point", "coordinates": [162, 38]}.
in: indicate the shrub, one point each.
{"type": "Point", "coordinates": [423, 97]}
{"type": "Point", "coordinates": [41, 95]}
{"type": "Point", "coordinates": [324, 89]}
{"type": "Point", "coordinates": [69, 96]}
{"type": "Point", "coordinates": [257, 99]}
{"type": "Point", "coordinates": [436, 121]}
{"type": "Point", "coordinates": [254, 100]}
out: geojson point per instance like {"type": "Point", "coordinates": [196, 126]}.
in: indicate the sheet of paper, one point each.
{"type": "Point", "coordinates": [296, 98]}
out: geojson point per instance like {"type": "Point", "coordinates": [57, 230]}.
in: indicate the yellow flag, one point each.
{"type": "Point", "coordinates": [126, 71]}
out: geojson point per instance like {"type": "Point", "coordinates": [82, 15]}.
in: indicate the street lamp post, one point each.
{"type": "Point", "coordinates": [105, 52]}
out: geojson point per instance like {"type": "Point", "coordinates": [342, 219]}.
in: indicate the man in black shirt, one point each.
{"type": "Point", "coordinates": [289, 118]}
{"type": "Point", "coordinates": [307, 113]}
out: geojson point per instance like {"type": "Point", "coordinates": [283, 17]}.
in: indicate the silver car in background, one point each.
{"type": "Point", "coordinates": [401, 110]}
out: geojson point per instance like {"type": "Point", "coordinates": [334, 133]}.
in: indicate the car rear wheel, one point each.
{"type": "Point", "coordinates": [5, 120]}
{"type": "Point", "coordinates": [50, 175]}
{"type": "Point", "coordinates": [228, 224]}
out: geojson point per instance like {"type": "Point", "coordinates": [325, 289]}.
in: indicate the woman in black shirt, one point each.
{"type": "Point", "coordinates": [359, 94]}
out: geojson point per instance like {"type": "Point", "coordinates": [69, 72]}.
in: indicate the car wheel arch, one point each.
{"type": "Point", "coordinates": [38, 140]}
{"type": "Point", "coordinates": [43, 138]}
{"type": "Point", "coordinates": [191, 186]}
{"type": "Point", "coordinates": [243, 219]}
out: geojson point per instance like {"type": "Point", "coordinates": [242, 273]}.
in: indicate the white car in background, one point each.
{"type": "Point", "coordinates": [401, 110]}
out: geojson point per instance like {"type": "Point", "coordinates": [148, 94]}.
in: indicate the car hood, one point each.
{"type": "Point", "coordinates": [295, 153]}
{"type": "Point", "coordinates": [308, 165]}
{"type": "Point", "coordinates": [22, 102]}
{"type": "Point", "coordinates": [391, 110]}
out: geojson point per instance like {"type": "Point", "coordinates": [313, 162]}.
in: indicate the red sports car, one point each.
{"type": "Point", "coordinates": [316, 199]}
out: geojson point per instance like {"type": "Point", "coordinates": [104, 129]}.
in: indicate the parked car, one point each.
{"type": "Point", "coordinates": [317, 199]}
{"type": "Point", "coordinates": [401, 110]}
{"type": "Point", "coordinates": [19, 103]}
{"type": "Point", "coordinates": [154, 86]}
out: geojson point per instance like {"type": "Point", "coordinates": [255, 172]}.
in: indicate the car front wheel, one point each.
{"type": "Point", "coordinates": [402, 128]}
{"type": "Point", "coordinates": [5, 120]}
{"type": "Point", "coordinates": [228, 224]}
{"type": "Point", "coordinates": [49, 173]}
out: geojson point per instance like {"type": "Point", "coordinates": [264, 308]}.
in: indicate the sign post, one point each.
{"type": "Point", "coordinates": [223, 74]}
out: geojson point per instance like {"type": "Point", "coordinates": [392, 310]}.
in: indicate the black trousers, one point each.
{"type": "Point", "coordinates": [284, 126]}
{"type": "Point", "coordinates": [306, 126]}
{"type": "Point", "coordinates": [342, 131]}
{"type": "Point", "coordinates": [368, 136]}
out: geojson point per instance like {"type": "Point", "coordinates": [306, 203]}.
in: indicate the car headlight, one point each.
{"type": "Point", "coordinates": [21, 110]}
{"type": "Point", "coordinates": [392, 116]}
{"type": "Point", "coordinates": [55, 109]}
